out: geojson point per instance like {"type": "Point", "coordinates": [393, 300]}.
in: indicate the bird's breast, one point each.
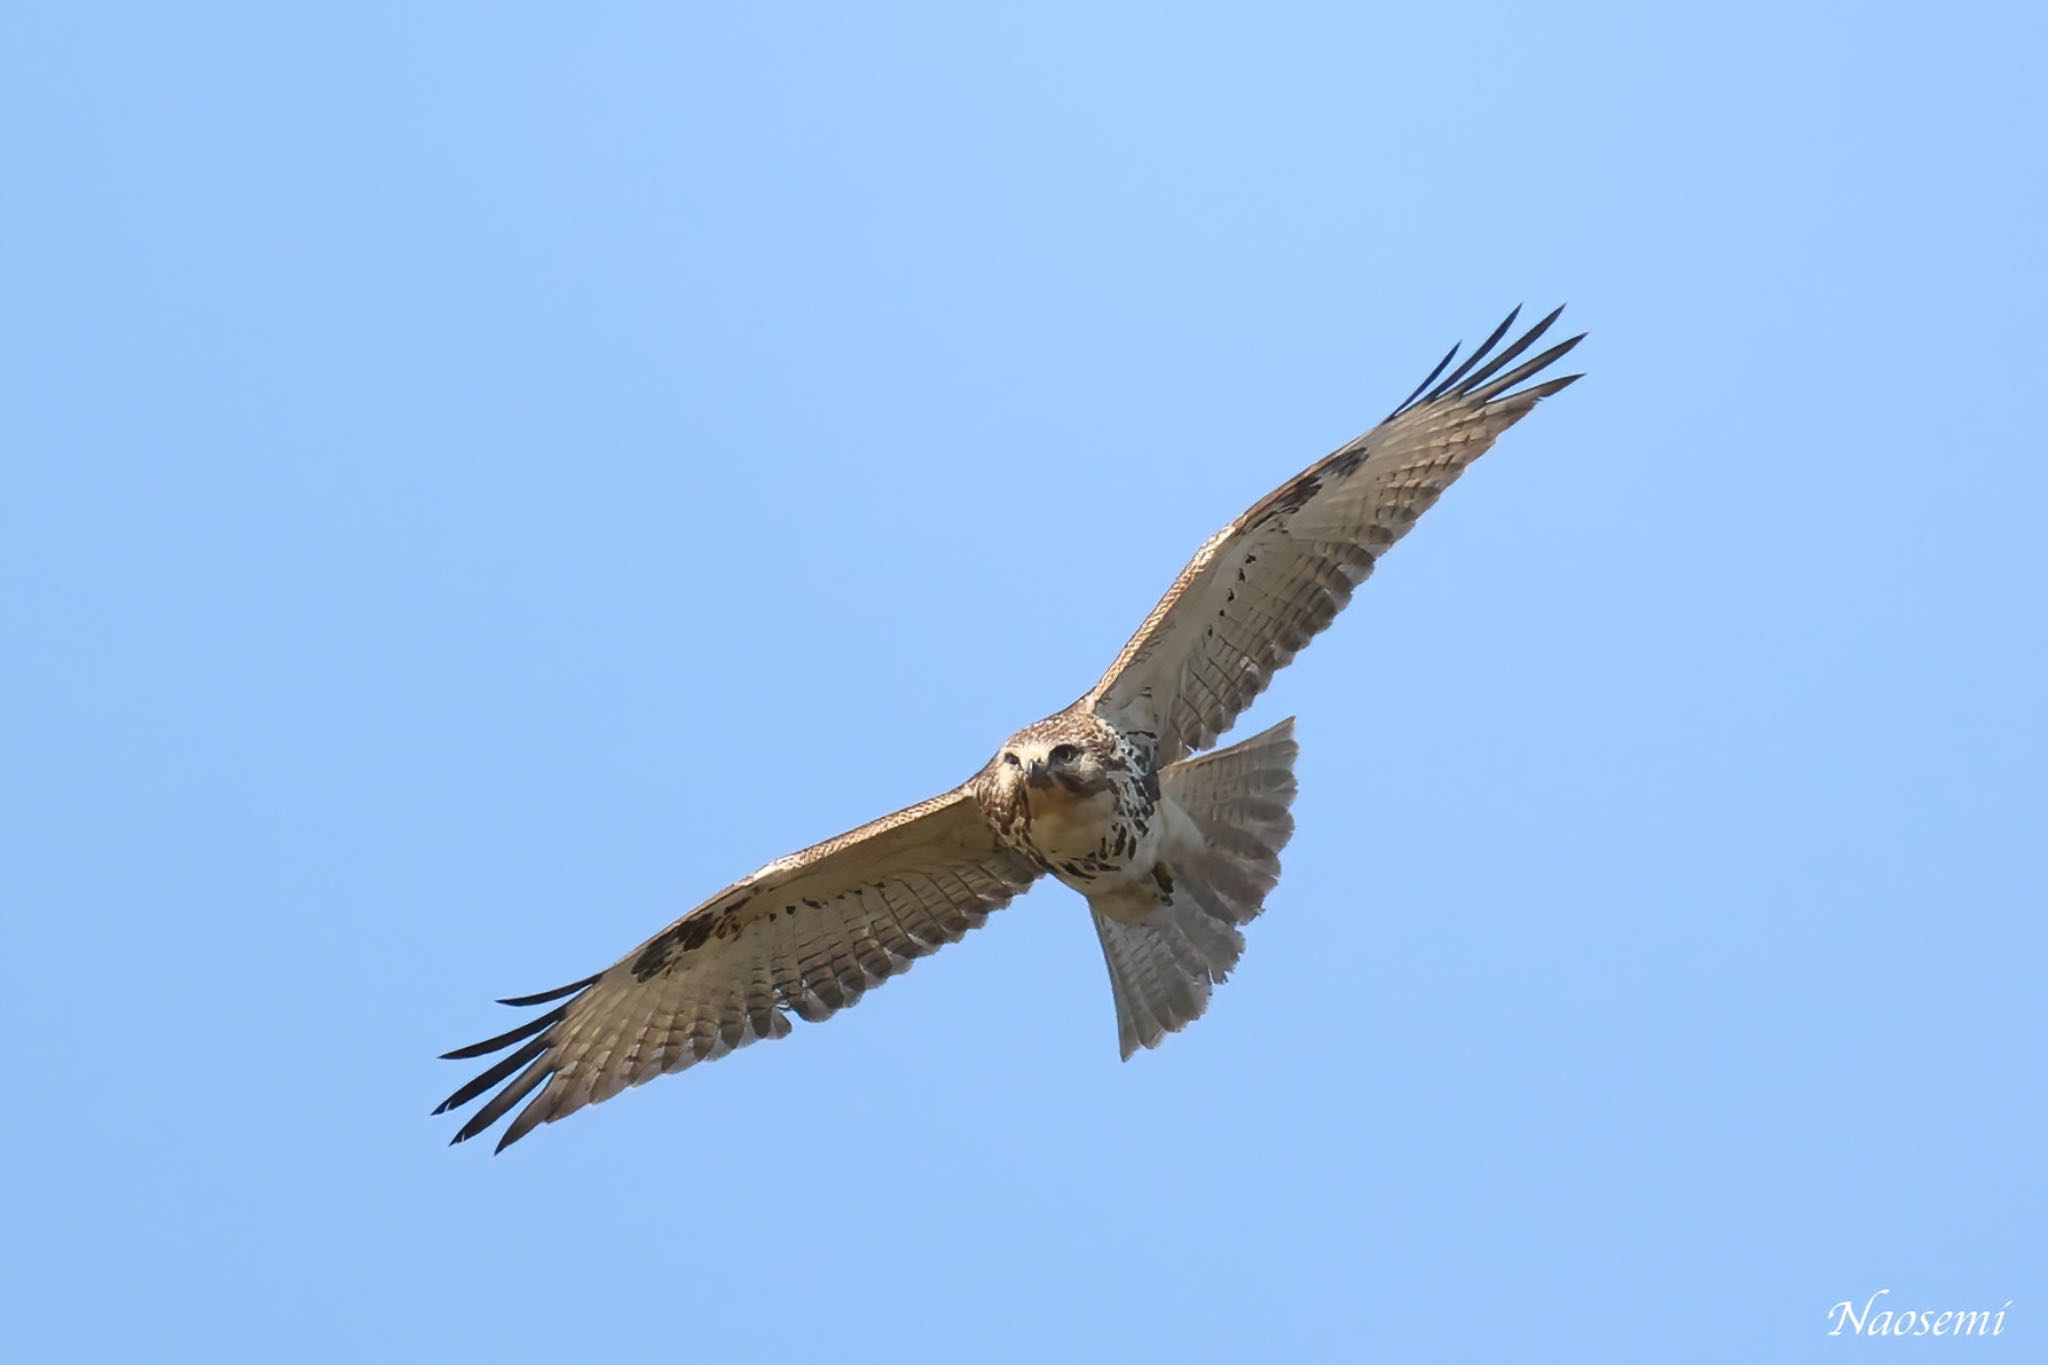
{"type": "Point", "coordinates": [1061, 821]}
{"type": "Point", "coordinates": [1085, 840]}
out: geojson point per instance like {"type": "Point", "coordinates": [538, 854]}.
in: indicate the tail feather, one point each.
{"type": "Point", "coordinates": [1157, 989]}
{"type": "Point", "coordinates": [1163, 966]}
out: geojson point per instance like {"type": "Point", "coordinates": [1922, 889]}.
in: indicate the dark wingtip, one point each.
{"type": "Point", "coordinates": [1486, 386]}
{"type": "Point", "coordinates": [537, 1035]}
{"type": "Point", "coordinates": [1479, 353]}
{"type": "Point", "coordinates": [473, 1127]}
{"type": "Point", "coordinates": [1427, 380]}
{"type": "Point", "coordinates": [1484, 363]}
{"type": "Point", "coordinates": [543, 997]}
{"type": "Point", "coordinates": [1550, 386]}
{"type": "Point", "coordinates": [507, 1038]}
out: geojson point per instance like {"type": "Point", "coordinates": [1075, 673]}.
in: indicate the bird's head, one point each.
{"type": "Point", "coordinates": [1050, 760]}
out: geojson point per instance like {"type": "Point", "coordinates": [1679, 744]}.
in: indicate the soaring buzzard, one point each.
{"type": "Point", "coordinates": [1175, 852]}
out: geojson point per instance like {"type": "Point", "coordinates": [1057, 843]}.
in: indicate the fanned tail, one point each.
{"type": "Point", "coordinates": [1162, 967]}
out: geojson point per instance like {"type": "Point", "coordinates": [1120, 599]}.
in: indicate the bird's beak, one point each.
{"type": "Point", "coordinates": [1036, 774]}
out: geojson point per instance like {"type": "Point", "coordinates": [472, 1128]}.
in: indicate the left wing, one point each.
{"type": "Point", "coordinates": [1264, 585]}
{"type": "Point", "coordinates": [806, 935]}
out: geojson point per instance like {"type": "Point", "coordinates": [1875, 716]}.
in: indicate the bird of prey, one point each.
{"type": "Point", "coordinates": [1174, 848]}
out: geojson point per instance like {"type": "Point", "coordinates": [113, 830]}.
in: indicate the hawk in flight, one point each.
{"type": "Point", "coordinates": [1174, 848]}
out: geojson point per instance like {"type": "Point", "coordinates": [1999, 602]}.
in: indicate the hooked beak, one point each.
{"type": "Point", "coordinates": [1036, 775]}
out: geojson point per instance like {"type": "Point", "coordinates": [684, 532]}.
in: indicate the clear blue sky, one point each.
{"type": "Point", "coordinates": [479, 479]}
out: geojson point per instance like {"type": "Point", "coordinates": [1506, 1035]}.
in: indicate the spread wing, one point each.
{"type": "Point", "coordinates": [806, 935]}
{"type": "Point", "coordinates": [1264, 585]}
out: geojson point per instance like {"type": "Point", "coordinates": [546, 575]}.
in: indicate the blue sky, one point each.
{"type": "Point", "coordinates": [479, 479]}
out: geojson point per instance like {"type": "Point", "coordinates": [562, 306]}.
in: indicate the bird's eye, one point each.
{"type": "Point", "coordinates": [1011, 759]}
{"type": "Point", "coordinates": [1064, 753]}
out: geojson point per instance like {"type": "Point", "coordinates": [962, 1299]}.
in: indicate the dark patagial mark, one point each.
{"type": "Point", "coordinates": [1293, 496]}
{"type": "Point", "coordinates": [656, 956]}
{"type": "Point", "coordinates": [692, 933]}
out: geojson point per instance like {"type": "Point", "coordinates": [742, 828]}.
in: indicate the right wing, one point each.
{"type": "Point", "coordinates": [1264, 585]}
{"type": "Point", "coordinates": [806, 935]}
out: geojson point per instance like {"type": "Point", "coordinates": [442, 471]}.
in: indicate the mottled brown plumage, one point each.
{"type": "Point", "coordinates": [1174, 853]}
